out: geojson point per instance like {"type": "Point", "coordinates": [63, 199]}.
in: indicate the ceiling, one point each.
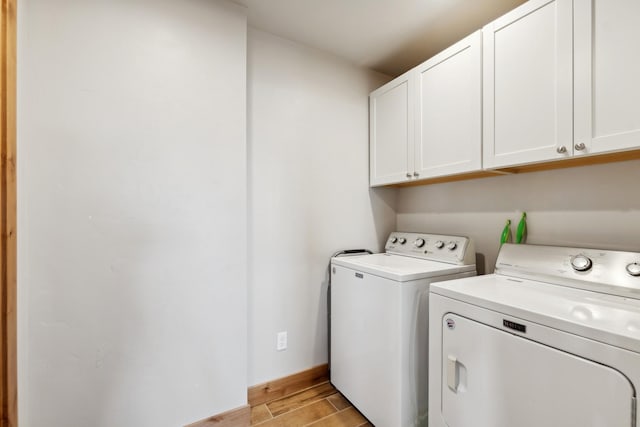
{"type": "Point", "coordinates": [389, 36]}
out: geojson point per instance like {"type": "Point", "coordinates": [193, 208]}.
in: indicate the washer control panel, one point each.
{"type": "Point", "coordinates": [600, 270]}
{"type": "Point", "coordinates": [436, 247]}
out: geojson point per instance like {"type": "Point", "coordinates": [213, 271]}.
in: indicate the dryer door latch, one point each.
{"type": "Point", "coordinates": [452, 373]}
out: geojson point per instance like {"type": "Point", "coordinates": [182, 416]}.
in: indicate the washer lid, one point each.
{"type": "Point", "coordinates": [400, 268]}
{"type": "Point", "coordinates": [610, 319]}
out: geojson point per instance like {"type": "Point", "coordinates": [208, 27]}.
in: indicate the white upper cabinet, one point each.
{"type": "Point", "coordinates": [607, 75]}
{"type": "Point", "coordinates": [550, 80]}
{"type": "Point", "coordinates": [448, 135]}
{"type": "Point", "coordinates": [527, 82]}
{"type": "Point", "coordinates": [391, 131]}
{"type": "Point", "coordinates": [427, 122]}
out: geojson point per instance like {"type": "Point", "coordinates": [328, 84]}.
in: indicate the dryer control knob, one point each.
{"type": "Point", "coordinates": [581, 263]}
{"type": "Point", "coordinates": [439, 244]}
{"type": "Point", "coordinates": [452, 246]}
{"type": "Point", "coordinates": [419, 243]}
{"type": "Point", "coordinates": [402, 240]}
{"type": "Point", "coordinates": [393, 239]}
{"type": "Point", "coordinates": [634, 269]}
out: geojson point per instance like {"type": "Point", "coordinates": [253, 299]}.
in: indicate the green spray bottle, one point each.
{"type": "Point", "coordinates": [506, 233]}
{"type": "Point", "coordinates": [521, 232]}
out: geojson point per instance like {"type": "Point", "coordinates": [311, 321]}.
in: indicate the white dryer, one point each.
{"type": "Point", "coordinates": [552, 339]}
{"type": "Point", "coordinates": [379, 330]}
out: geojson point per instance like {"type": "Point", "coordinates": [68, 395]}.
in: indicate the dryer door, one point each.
{"type": "Point", "coordinates": [491, 378]}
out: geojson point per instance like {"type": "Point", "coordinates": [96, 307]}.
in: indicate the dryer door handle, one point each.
{"type": "Point", "coordinates": [452, 373]}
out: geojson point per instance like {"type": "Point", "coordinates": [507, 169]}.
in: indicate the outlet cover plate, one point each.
{"type": "Point", "coordinates": [281, 341]}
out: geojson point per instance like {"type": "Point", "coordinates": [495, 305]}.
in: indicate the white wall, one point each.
{"type": "Point", "coordinates": [590, 206]}
{"type": "Point", "coordinates": [132, 216]}
{"type": "Point", "coordinates": [308, 194]}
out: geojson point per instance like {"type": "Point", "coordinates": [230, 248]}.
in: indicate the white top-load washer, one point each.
{"type": "Point", "coordinates": [379, 331]}
{"type": "Point", "coordinates": [552, 339]}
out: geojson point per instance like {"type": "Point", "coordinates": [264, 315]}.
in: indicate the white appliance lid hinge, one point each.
{"type": "Point", "coordinates": [634, 411]}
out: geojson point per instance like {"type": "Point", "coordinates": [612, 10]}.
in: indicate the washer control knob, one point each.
{"type": "Point", "coordinates": [634, 269]}
{"type": "Point", "coordinates": [452, 246]}
{"type": "Point", "coordinates": [393, 239]}
{"type": "Point", "coordinates": [581, 263]}
{"type": "Point", "coordinates": [419, 243]}
{"type": "Point", "coordinates": [402, 240]}
{"type": "Point", "coordinates": [439, 244]}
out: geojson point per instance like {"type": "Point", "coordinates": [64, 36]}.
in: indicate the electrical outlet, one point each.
{"type": "Point", "coordinates": [281, 341]}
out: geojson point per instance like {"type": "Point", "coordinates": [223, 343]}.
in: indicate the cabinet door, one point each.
{"type": "Point", "coordinates": [448, 110]}
{"type": "Point", "coordinates": [607, 75]}
{"type": "Point", "coordinates": [527, 63]}
{"type": "Point", "coordinates": [391, 132]}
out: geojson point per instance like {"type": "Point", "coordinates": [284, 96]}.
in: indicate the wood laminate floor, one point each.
{"type": "Point", "coordinates": [318, 406]}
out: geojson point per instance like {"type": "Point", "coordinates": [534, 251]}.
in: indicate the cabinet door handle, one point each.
{"type": "Point", "coordinates": [408, 175]}
{"type": "Point", "coordinates": [580, 146]}
{"type": "Point", "coordinates": [416, 174]}
{"type": "Point", "coordinates": [562, 149]}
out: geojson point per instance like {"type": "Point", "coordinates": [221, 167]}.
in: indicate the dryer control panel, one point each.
{"type": "Point", "coordinates": [436, 247]}
{"type": "Point", "coordinates": [600, 270]}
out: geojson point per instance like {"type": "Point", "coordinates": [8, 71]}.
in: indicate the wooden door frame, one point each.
{"type": "Point", "coordinates": [8, 255]}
